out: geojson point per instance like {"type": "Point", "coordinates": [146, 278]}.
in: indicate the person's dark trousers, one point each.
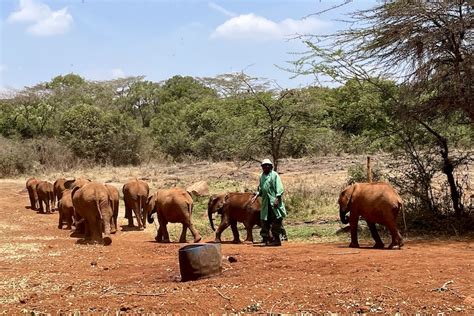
{"type": "Point", "coordinates": [273, 224]}
{"type": "Point", "coordinates": [284, 236]}
{"type": "Point", "coordinates": [265, 230]}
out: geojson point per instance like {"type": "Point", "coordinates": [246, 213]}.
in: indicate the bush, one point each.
{"type": "Point", "coordinates": [358, 173]}
{"type": "Point", "coordinates": [15, 158]}
{"type": "Point", "coordinates": [93, 134]}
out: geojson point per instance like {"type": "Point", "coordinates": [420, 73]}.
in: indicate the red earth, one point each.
{"type": "Point", "coordinates": [43, 269]}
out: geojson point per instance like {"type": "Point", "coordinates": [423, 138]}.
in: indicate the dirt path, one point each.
{"type": "Point", "coordinates": [43, 269]}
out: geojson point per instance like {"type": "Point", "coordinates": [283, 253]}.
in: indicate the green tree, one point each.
{"type": "Point", "coordinates": [426, 46]}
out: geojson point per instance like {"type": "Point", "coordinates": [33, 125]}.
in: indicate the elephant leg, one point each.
{"type": "Point", "coordinates": [113, 225]}
{"type": "Point", "coordinates": [40, 207]}
{"type": "Point", "coordinates": [136, 210]}
{"type": "Point", "coordinates": [60, 224]}
{"type": "Point", "coordinates": [32, 202]}
{"type": "Point", "coordinates": [96, 230]}
{"type": "Point", "coordinates": [48, 206]}
{"type": "Point", "coordinates": [69, 221]}
{"type": "Point", "coordinates": [87, 230]}
{"type": "Point", "coordinates": [248, 228]}
{"type": "Point", "coordinates": [129, 216]}
{"type": "Point", "coordinates": [222, 226]}
{"type": "Point", "coordinates": [159, 234]}
{"type": "Point", "coordinates": [396, 237]}
{"type": "Point", "coordinates": [354, 221]}
{"type": "Point", "coordinates": [196, 235]}
{"type": "Point", "coordinates": [235, 232]}
{"type": "Point", "coordinates": [164, 231]}
{"type": "Point", "coordinates": [182, 238]}
{"type": "Point", "coordinates": [375, 235]}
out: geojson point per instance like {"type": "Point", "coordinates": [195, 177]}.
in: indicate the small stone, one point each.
{"type": "Point", "coordinates": [94, 263]}
{"type": "Point", "coordinates": [22, 300]}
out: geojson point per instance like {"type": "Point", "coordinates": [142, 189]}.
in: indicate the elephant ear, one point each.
{"type": "Point", "coordinates": [346, 197]}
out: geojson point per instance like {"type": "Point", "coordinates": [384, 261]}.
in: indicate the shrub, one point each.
{"type": "Point", "coordinates": [358, 173]}
{"type": "Point", "coordinates": [93, 134]}
{"type": "Point", "coordinates": [15, 158]}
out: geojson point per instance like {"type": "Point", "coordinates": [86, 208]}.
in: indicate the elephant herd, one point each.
{"type": "Point", "coordinates": [93, 209]}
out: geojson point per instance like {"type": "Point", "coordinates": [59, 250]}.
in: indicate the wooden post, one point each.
{"type": "Point", "coordinates": [369, 170]}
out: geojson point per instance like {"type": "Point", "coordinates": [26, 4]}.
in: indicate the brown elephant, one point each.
{"type": "Point", "coordinates": [65, 209]}
{"type": "Point", "coordinates": [60, 185]}
{"type": "Point", "coordinates": [93, 204]}
{"type": "Point", "coordinates": [45, 191]}
{"type": "Point", "coordinates": [135, 195]}
{"type": "Point", "coordinates": [115, 199]}
{"type": "Point", "coordinates": [376, 203]}
{"type": "Point", "coordinates": [33, 195]}
{"type": "Point", "coordinates": [79, 182]}
{"type": "Point", "coordinates": [234, 207]}
{"type": "Point", "coordinates": [172, 206]}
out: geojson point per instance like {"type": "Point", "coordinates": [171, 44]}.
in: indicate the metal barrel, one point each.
{"type": "Point", "coordinates": [199, 261]}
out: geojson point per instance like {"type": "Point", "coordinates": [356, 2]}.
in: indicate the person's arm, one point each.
{"type": "Point", "coordinates": [279, 191]}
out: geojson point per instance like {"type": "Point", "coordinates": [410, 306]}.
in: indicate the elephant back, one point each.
{"type": "Point", "coordinates": [199, 261]}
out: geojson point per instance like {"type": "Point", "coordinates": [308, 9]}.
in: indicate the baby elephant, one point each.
{"type": "Point", "coordinates": [376, 203]}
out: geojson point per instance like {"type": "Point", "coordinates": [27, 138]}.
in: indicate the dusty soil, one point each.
{"type": "Point", "coordinates": [43, 269]}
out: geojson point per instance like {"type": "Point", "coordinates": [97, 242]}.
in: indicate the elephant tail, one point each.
{"type": "Point", "coordinates": [98, 208]}
{"type": "Point", "coordinates": [402, 209]}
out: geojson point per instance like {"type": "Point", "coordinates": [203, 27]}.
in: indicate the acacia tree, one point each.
{"type": "Point", "coordinates": [427, 48]}
{"type": "Point", "coordinates": [279, 110]}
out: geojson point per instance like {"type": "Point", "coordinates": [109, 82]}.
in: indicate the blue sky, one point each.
{"type": "Point", "coordinates": [106, 39]}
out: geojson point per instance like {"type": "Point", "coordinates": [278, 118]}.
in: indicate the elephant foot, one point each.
{"type": "Point", "coordinates": [69, 227]}
{"type": "Point", "coordinates": [248, 241]}
{"type": "Point", "coordinates": [354, 245]}
{"type": "Point", "coordinates": [196, 240]}
{"type": "Point", "coordinates": [236, 241]}
{"type": "Point", "coordinates": [165, 241]}
{"type": "Point", "coordinates": [60, 226]}
{"type": "Point", "coordinates": [379, 246]}
{"type": "Point", "coordinates": [107, 241]}
{"type": "Point", "coordinates": [217, 241]}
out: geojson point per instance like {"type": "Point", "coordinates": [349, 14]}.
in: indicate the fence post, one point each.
{"type": "Point", "coordinates": [369, 170]}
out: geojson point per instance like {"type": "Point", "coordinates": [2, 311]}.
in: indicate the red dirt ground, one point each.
{"type": "Point", "coordinates": [42, 269]}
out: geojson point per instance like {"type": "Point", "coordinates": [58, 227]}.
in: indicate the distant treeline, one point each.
{"type": "Point", "coordinates": [131, 121]}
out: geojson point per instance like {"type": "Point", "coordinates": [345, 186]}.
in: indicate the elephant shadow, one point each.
{"type": "Point", "coordinates": [228, 242]}
{"type": "Point", "coordinates": [365, 247]}
{"type": "Point", "coordinates": [126, 228]}
{"type": "Point", "coordinates": [83, 241]}
{"type": "Point", "coordinates": [76, 234]}
{"type": "Point", "coordinates": [168, 243]}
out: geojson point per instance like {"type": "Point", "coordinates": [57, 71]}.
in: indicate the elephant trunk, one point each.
{"type": "Point", "coordinates": [211, 221]}
{"type": "Point", "coordinates": [149, 217]}
{"type": "Point", "coordinates": [343, 216]}
{"type": "Point", "coordinates": [106, 225]}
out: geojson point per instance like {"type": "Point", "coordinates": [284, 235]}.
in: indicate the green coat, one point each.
{"type": "Point", "coordinates": [269, 188]}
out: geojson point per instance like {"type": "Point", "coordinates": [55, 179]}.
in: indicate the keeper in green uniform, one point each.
{"type": "Point", "coordinates": [273, 210]}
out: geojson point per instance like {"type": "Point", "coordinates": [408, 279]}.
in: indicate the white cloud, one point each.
{"type": "Point", "coordinates": [3, 68]}
{"type": "Point", "coordinates": [43, 21]}
{"type": "Point", "coordinates": [220, 9]}
{"type": "Point", "coordinates": [251, 26]}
